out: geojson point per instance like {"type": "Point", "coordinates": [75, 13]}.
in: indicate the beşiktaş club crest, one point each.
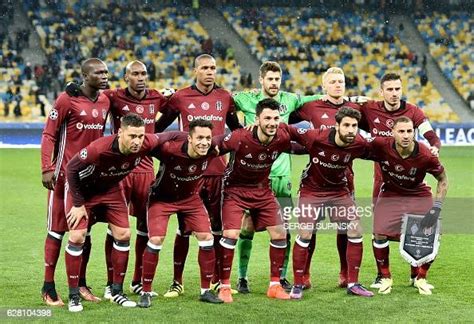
{"type": "Point", "coordinates": [417, 245]}
{"type": "Point", "coordinates": [219, 105]}
{"type": "Point", "coordinates": [283, 108]}
{"type": "Point", "coordinates": [151, 109]}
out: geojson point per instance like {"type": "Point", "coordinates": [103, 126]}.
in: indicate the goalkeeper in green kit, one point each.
{"type": "Point", "coordinates": [280, 176]}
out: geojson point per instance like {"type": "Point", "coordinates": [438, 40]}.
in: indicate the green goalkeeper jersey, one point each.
{"type": "Point", "coordinates": [246, 102]}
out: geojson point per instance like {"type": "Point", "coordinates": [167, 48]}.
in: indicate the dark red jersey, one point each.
{"type": "Point", "coordinates": [100, 166]}
{"type": "Point", "coordinates": [251, 161]}
{"type": "Point", "coordinates": [189, 104]}
{"type": "Point", "coordinates": [122, 103]}
{"type": "Point", "coordinates": [72, 124]}
{"type": "Point", "coordinates": [405, 176]}
{"type": "Point", "coordinates": [378, 121]}
{"type": "Point", "coordinates": [179, 176]}
{"type": "Point", "coordinates": [328, 161]}
{"type": "Point", "coordinates": [321, 114]}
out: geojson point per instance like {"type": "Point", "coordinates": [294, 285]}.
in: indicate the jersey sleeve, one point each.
{"type": "Point", "coordinates": [231, 118]}
{"type": "Point", "coordinates": [241, 99]}
{"type": "Point", "coordinates": [169, 113]}
{"type": "Point", "coordinates": [434, 166]}
{"type": "Point", "coordinates": [82, 161]}
{"type": "Point", "coordinates": [161, 138]}
{"type": "Point", "coordinates": [229, 142]}
{"type": "Point", "coordinates": [56, 118]}
{"type": "Point", "coordinates": [305, 99]}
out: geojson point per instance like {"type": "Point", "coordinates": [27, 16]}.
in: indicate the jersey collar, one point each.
{"type": "Point", "coordinates": [194, 87]}
{"type": "Point", "coordinates": [413, 154]}
{"type": "Point", "coordinates": [128, 94]}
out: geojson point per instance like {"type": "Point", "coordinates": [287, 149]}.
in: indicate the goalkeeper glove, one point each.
{"type": "Point", "coordinates": [73, 89]}
{"type": "Point", "coordinates": [431, 216]}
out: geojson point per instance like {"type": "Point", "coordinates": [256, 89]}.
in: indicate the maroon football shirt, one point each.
{"type": "Point", "coordinates": [72, 124]}
{"type": "Point", "coordinates": [179, 176]}
{"type": "Point", "coordinates": [122, 103]}
{"type": "Point", "coordinates": [100, 166]}
{"type": "Point", "coordinates": [189, 104]}
{"type": "Point", "coordinates": [328, 161]}
{"type": "Point", "coordinates": [251, 161]}
{"type": "Point", "coordinates": [405, 176]}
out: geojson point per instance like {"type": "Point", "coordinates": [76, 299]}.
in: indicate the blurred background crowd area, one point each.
{"type": "Point", "coordinates": [42, 53]}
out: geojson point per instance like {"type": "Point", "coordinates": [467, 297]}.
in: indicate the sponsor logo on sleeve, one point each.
{"type": "Point", "coordinates": [53, 114]}
{"type": "Point", "coordinates": [301, 130]}
{"type": "Point", "coordinates": [83, 154]}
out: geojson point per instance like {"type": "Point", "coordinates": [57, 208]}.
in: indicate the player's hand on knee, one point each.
{"type": "Point", "coordinates": [73, 89]}
{"type": "Point", "coordinates": [48, 180]}
{"type": "Point", "coordinates": [431, 217]}
{"type": "Point", "coordinates": [75, 215]}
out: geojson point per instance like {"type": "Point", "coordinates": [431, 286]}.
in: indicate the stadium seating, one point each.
{"type": "Point", "coordinates": [450, 41]}
{"type": "Point", "coordinates": [307, 42]}
{"type": "Point", "coordinates": [168, 38]}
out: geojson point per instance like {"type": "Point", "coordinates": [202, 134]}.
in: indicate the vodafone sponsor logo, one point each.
{"type": "Point", "coordinates": [315, 160]}
{"type": "Point", "coordinates": [206, 117]}
{"type": "Point", "coordinates": [377, 132]}
{"type": "Point", "coordinates": [401, 176]}
{"type": "Point", "coordinates": [148, 121]}
{"type": "Point", "coordinates": [82, 126]}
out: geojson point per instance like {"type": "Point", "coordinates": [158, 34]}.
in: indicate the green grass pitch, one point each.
{"type": "Point", "coordinates": [23, 221]}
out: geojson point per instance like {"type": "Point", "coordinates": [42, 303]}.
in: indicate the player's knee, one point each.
{"type": "Point", "coordinates": [156, 240]}
{"type": "Point", "coordinates": [354, 229]}
{"type": "Point", "coordinates": [232, 234]}
{"type": "Point", "coordinates": [246, 235]}
{"type": "Point", "coordinates": [380, 237]}
{"type": "Point", "coordinates": [277, 232]}
{"type": "Point", "coordinates": [303, 241]}
{"type": "Point", "coordinates": [121, 234]}
{"type": "Point", "coordinates": [279, 244]}
{"type": "Point", "coordinates": [203, 236]}
{"type": "Point", "coordinates": [305, 235]}
{"type": "Point", "coordinates": [77, 236]}
{"type": "Point", "coordinates": [206, 244]}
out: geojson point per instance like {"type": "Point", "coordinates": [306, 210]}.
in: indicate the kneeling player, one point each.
{"type": "Point", "coordinates": [404, 163]}
{"type": "Point", "coordinates": [176, 190]}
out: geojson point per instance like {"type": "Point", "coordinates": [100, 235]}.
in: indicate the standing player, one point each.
{"type": "Point", "coordinates": [324, 190]}
{"type": "Point", "coordinates": [94, 192]}
{"type": "Point", "coordinates": [139, 99]}
{"type": "Point", "coordinates": [72, 124]}
{"type": "Point", "coordinates": [404, 163]}
{"type": "Point", "coordinates": [203, 100]}
{"type": "Point", "coordinates": [136, 98]}
{"type": "Point", "coordinates": [321, 114]}
{"type": "Point", "coordinates": [246, 187]}
{"type": "Point", "coordinates": [378, 118]}
{"type": "Point", "coordinates": [177, 190]}
{"type": "Point", "coordinates": [246, 102]}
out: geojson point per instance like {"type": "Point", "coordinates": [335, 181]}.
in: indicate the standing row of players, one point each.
{"type": "Point", "coordinates": [74, 122]}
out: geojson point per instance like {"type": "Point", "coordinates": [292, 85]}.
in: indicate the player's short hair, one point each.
{"type": "Point", "coordinates": [402, 119]}
{"type": "Point", "coordinates": [128, 67]}
{"type": "Point", "coordinates": [332, 70]}
{"type": "Point", "coordinates": [345, 111]}
{"type": "Point", "coordinates": [132, 120]}
{"type": "Point", "coordinates": [267, 103]}
{"type": "Point", "coordinates": [86, 65]}
{"type": "Point", "coordinates": [389, 77]}
{"type": "Point", "coordinates": [200, 57]}
{"type": "Point", "coordinates": [269, 66]}
{"type": "Point", "coordinates": [200, 123]}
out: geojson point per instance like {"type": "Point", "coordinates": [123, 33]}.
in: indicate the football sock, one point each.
{"type": "Point", "coordinates": [300, 258]}
{"type": "Point", "coordinates": [284, 268]}
{"type": "Point", "coordinates": [244, 251]}
{"type": "Point", "coordinates": [217, 251]}
{"type": "Point", "coordinates": [120, 254]}
{"type": "Point", "coordinates": [379, 271]}
{"type": "Point", "coordinates": [341, 239]}
{"type": "Point", "coordinates": [86, 252]}
{"type": "Point", "coordinates": [381, 253]}
{"type": "Point", "coordinates": [354, 258]}
{"type": "Point", "coordinates": [277, 256]}
{"type": "Point", "coordinates": [207, 261]}
{"type": "Point", "coordinates": [140, 245]}
{"type": "Point", "coordinates": [310, 252]}
{"type": "Point", "coordinates": [180, 253]}
{"type": "Point", "coordinates": [423, 270]}
{"type": "Point", "coordinates": [151, 256]}
{"type": "Point", "coordinates": [227, 256]}
{"type": "Point", "coordinates": [52, 248]}
{"type": "Point", "coordinates": [109, 242]}
{"type": "Point", "coordinates": [413, 271]}
{"type": "Point", "coordinates": [73, 257]}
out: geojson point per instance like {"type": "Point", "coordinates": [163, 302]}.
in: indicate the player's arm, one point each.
{"type": "Point", "coordinates": [78, 168]}
{"type": "Point", "coordinates": [426, 130]}
{"type": "Point", "coordinates": [301, 100]}
{"type": "Point", "coordinates": [296, 149]}
{"type": "Point", "coordinates": [51, 132]}
{"type": "Point", "coordinates": [441, 190]}
{"type": "Point", "coordinates": [162, 138]}
{"type": "Point", "coordinates": [227, 143]}
{"type": "Point", "coordinates": [295, 117]}
{"type": "Point", "coordinates": [168, 115]}
{"type": "Point", "coordinates": [298, 135]}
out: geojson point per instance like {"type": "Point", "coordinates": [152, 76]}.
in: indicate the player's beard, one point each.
{"type": "Point", "coordinates": [347, 139]}
{"type": "Point", "coordinates": [272, 92]}
{"type": "Point", "coordinates": [269, 131]}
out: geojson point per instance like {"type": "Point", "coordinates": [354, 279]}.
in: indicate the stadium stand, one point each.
{"type": "Point", "coordinates": [307, 41]}
{"type": "Point", "coordinates": [450, 42]}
